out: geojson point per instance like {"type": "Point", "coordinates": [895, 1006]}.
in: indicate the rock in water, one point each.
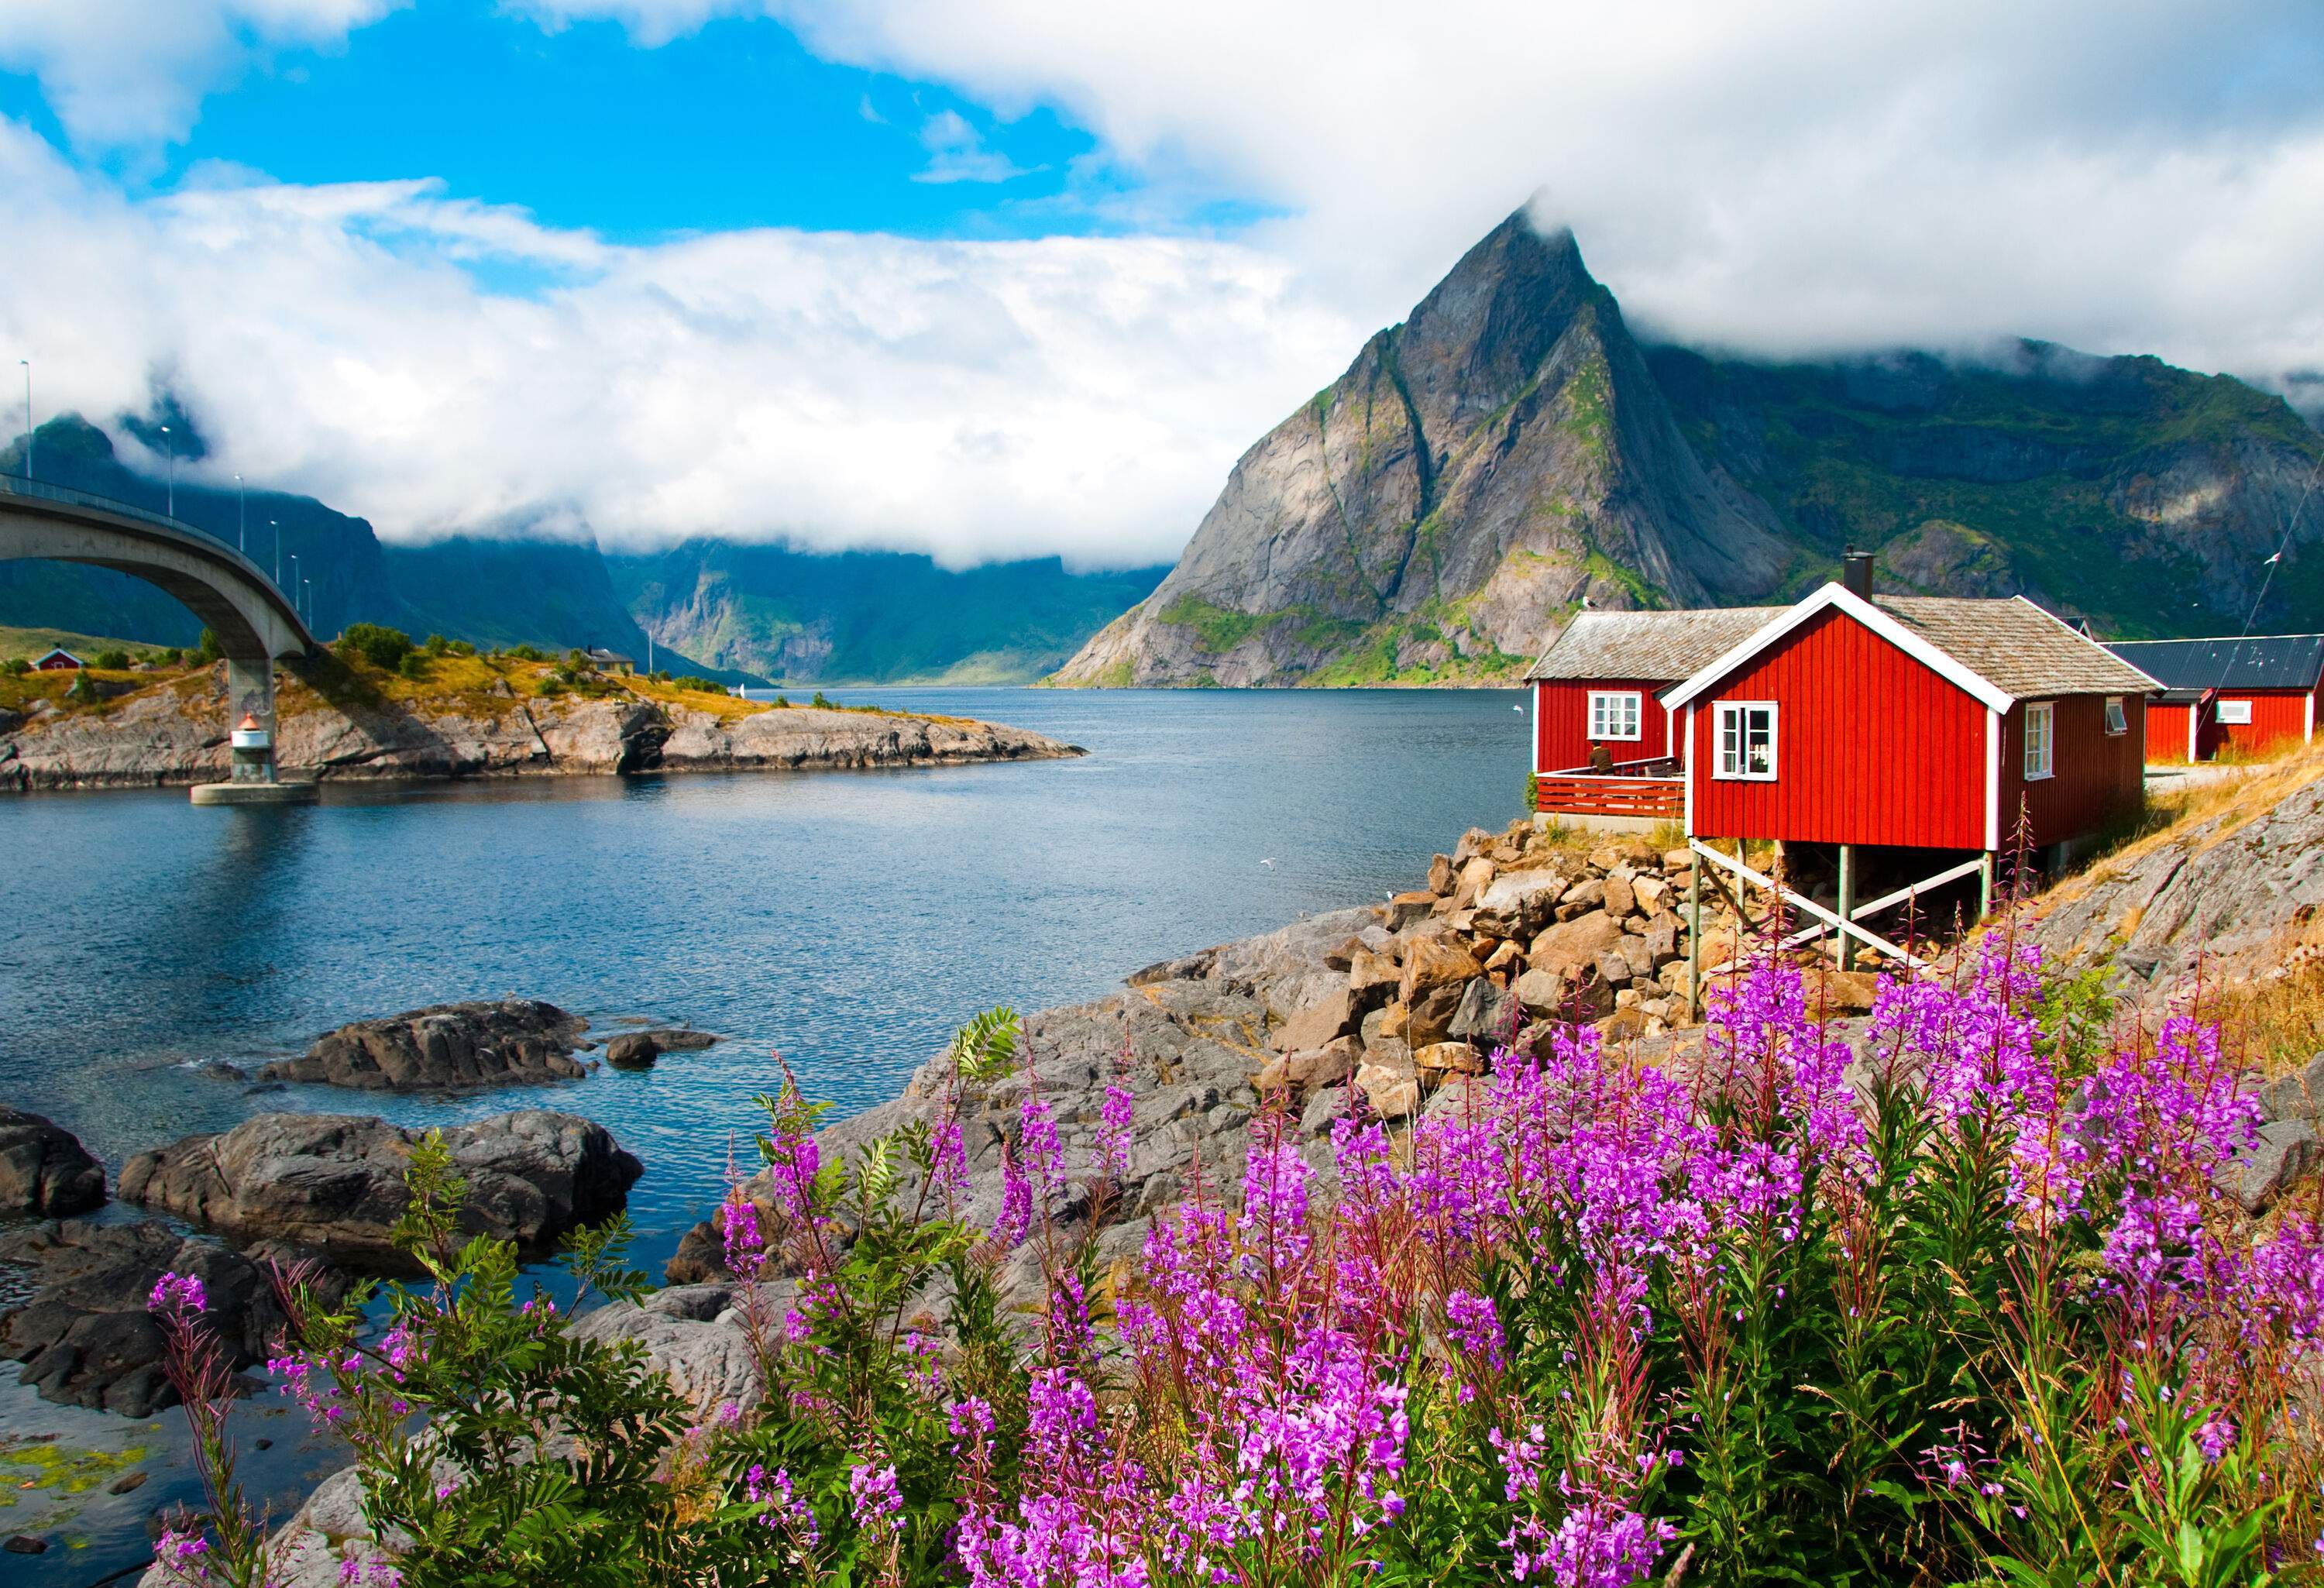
{"type": "Point", "coordinates": [86, 1338]}
{"type": "Point", "coordinates": [334, 1182]}
{"type": "Point", "coordinates": [44, 1169]}
{"type": "Point", "coordinates": [633, 1050]}
{"type": "Point", "coordinates": [446, 1047]}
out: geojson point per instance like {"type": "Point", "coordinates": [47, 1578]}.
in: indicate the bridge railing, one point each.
{"type": "Point", "coordinates": [19, 486]}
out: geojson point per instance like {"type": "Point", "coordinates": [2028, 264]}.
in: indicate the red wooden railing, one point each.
{"type": "Point", "coordinates": [1620, 792]}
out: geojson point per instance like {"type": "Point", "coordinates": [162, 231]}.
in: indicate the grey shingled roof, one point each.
{"type": "Point", "coordinates": [1656, 646]}
{"type": "Point", "coordinates": [2015, 645]}
{"type": "Point", "coordinates": [2262, 662]}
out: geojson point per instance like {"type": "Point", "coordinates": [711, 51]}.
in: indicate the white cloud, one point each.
{"type": "Point", "coordinates": [956, 153]}
{"type": "Point", "coordinates": [123, 72]}
{"type": "Point", "coordinates": [1784, 175]}
{"type": "Point", "coordinates": [973, 400]}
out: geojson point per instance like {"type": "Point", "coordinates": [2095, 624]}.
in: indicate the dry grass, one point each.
{"type": "Point", "coordinates": [2275, 1021]}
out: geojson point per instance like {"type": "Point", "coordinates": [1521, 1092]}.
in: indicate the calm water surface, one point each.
{"type": "Point", "coordinates": [849, 919]}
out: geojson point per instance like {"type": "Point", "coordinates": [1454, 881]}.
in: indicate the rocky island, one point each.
{"type": "Point", "coordinates": [455, 715]}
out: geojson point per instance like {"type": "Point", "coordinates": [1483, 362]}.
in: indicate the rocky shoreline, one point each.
{"type": "Point", "coordinates": [174, 733]}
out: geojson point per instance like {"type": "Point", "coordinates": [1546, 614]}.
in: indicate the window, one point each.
{"type": "Point", "coordinates": [2235, 711]}
{"type": "Point", "coordinates": [1613, 714]}
{"type": "Point", "coordinates": [1746, 740]}
{"type": "Point", "coordinates": [2117, 722]}
{"type": "Point", "coordinates": [2041, 734]}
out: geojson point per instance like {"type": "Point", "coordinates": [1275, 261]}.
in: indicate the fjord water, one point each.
{"type": "Point", "coordinates": [851, 920]}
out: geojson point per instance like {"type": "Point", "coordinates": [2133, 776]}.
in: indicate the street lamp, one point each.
{"type": "Point", "coordinates": [276, 525]}
{"type": "Point", "coordinates": [172, 445]}
{"type": "Point", "coordinates": [309, 585]}
{"type": "Point", "coordinates": [241, 516]}
{"type": "Point", "coordinates": [294, 581]}
{"type": "Point", "coordinates": [28, 416]}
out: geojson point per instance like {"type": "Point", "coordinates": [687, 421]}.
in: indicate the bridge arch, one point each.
{"type": "Point", "coordinates": [254, 621]}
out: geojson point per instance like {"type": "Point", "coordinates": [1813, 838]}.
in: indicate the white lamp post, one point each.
{"type": "Point", "coordinates": [276, 525]}
{"type": "Point", "coordinates": [172, 445]}
{"type": "Point", "coordinates": [28, 416]}
{"type": "Point", "coordinates": [241, 516]}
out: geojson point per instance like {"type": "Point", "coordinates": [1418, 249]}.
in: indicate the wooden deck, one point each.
{"type": "Point", "coordinates": [1644, 791]}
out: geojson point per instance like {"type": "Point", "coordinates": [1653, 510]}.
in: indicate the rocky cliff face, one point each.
{"type": "Point", "coordinates": [1437, 513]}
{"type": "Point", "coordinates": [1442, 506]}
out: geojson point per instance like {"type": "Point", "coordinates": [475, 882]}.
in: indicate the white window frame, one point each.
{"type": "Point", "coordinates": [2117, 718]}
{"type": "Point", "coordinates": [2235, 714]}
{"type": "Point", "coordinates": [1739, 712]}
{"type": "Point", "coordinates": [2044, 712]}
{"type": "Point", "coordinates": [1617, 704]}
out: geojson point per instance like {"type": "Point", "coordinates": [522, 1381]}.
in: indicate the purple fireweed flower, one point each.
{"type": "Point", "coordinates": [180, 1296]}
{"type": "Point", "coordinates": [1115, 1118]}
{"type": "Point", "coordinates": [785, 1512]}
{"type": "Point", "coordinates": [1016, 1218]}
{"type": "Point", "coordinates": [745, 1242]}
{"type": "Point", "coordinates": [873, 1496]}
{"type": "Point", "coordinates": [183, 1556]}
{"type": "Point", "coordinates": [1471, 1323]}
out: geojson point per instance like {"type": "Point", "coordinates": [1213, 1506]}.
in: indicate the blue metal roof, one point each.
{"type": "Point", "coordinates": [2262, 662]}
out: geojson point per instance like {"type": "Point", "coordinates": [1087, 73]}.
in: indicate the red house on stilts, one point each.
{"type": "Point", "coordinates": [1877, 736]}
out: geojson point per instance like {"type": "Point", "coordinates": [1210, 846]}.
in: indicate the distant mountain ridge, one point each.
{"type": "Point", "coordinates": [1511, 451]}
{"type": "Point", "coordinates": [756, 614]}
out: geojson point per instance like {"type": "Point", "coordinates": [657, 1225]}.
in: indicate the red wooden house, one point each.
{"type": "Point", "coordinates": [1596, 687]}
{"type": "Point", "coordinates": [2257, 693]}
{"type": "Point", "coordinates": [57, 660]}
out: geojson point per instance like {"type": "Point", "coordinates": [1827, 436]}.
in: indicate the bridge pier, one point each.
{"type": "Point", "coordinates": [250, 718]}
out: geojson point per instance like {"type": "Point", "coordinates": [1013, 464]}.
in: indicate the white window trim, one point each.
{"type": "Point", "coordinates": [1636, 713]}
{"type": "Point", "coordinates": [2116, 708]}
{"type": "Point", "coordinates": [1720, 712]}
{"type": "Point", "coordinates": [2244, 721]}
{"type": "Point", "coordinates": [2047, 710]}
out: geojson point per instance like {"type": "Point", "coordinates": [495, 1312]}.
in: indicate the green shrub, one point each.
{"type": "Point", "coordinates": [819, 700]}
{"type": "Point", "coordinates": [414, 664]}
{"type": "Point", "coordinates": [693, 681]}
{"type": "Point", "coordinates": [207, 650]}
{"type": "Point", "coordinates": [551, 687]}
{"type": "Point", "coordinates": [112, 660]}
{"type": "Point", "coordinates": [173, 657]}
{"type": "Point", "coordinates": [437, 645]}
{"type": "Point", "coordinates": [526, 653]}
{"type": "Point", "coordinates": [17, 666]}
{"type": "Point", "coordinates": [383, 647]}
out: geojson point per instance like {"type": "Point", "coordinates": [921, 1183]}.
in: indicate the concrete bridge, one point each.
{"type": "Point", "coordinates": [254, 621]}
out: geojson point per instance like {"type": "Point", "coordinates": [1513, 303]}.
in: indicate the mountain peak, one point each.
{"type": "Point", "coordinates": [1476, 341]}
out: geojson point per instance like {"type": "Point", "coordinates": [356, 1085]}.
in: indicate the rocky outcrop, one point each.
{"type": "Point", "coordinates": [1442, 506]}
{"type": "Point", "coordinates": [85, 1337]}
{"type": "Point", "coordinates": [175, 732]}
{"type": "Point", "coordinates": [334, 1182]}
{"type": "Point", "coordinates": [2229, 891]}
{"type": "Point", "coordinates": [44, 1169]}
{"type": "Point", "coordinates": [444, 1048]}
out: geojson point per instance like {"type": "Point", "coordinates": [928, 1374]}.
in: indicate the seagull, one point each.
{"type": "Point", "coordinates": [1517, 708]}
{"type": "Point", "coordinates": [1268, 864]}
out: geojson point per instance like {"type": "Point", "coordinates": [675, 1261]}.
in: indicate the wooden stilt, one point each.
{"type": "Point", "coordinates": [1985, 887]}
{"type": "Point", "coordinates": [1694, 940]}
{"type": "Point", "coordinates": [1847, 944]}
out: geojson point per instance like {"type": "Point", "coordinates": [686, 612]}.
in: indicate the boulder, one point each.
{"type": "Point", "coordinates": [1440, 1058]}
{"type": "Point", "coordinates": [1622, 1025]}
{"type": "Point", "coordinates": [1332, 1015]}
{"type": "Point", "coordinates": [1636, 953]}
{"type": "Point", "coordinates": [1504, 957]}
{"type": "Point", "coordinates": [1440, 875]}
{"type": "Point", "coordinates": [2299, 1095]}
{"type": "Point", "coordinates": [2256, 1176]}
{"type": "Point", "coordinates": [1393, 1093]}
{"type": "Point", "coordinates": [1474, 879]}
{"type": "Point", "coordinates": [682, 1039]}
{"type": "Point", "coordinates": [1476, 841]}
{"type": "Point", "coordinates": [1649, 892]}
{"type": "Point", "coordinates": [1431, 1019]}
{"type": "Point", "coordinates": [1404, 908]}
{"type": "Point", "coordinates": [1519, 903]}
{"type": "Point", "coordinates": [1372, 978]}
{"type": "Point", "coordinates": [1662, 933]}
{"type": "Point", "coordinates": [1585, 895]}
{"type": "Point", "coordinates": [1831, 992]}
{"type": "Point", "coordinates": [1678, 860]}
{"type": "Point", "coordinates": [1487, 1016]}
{"type": "Point", "coordinates": [1542, 991]}
{"type": "Point", "coordinates": [1327, 1066]}
{"type": "Point", "coordinates": [1619, 898]}
{"type": "Point", "coordinates": [446, 1047]}
{"type": "Point", "coordinates": [334, 1182]}
{"type": "Point", "coordinates": [1612, 967]}
{"type": "Point", "coordinates": [1432, 962]}
{"type": "Point", "coordinates": [633, 1050]}
{"type": "Point", "coordinates": [85, 1337]}
{"type": "Point", "coordinates": [44, 1169]}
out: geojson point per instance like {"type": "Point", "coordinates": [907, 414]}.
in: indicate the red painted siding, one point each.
{"type": "Point", "coordinates": [1871, 747]}
{"type": "Point", "coordinates": [2166, 730]}
{"type": "Point", "coordinates": [2094, 777]}
{"type": "Point", "coordinates": [1561, 723]}
{"type": "Point", "coordinates": [2277, 716]}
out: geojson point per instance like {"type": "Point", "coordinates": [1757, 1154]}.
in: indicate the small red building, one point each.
{"type": "Point", "coordinates": [56, 662]}
{"type": "Point", "coordinates": [1912, 722]}
{"type": "Point", "coordinates": [1597, 686]}
{"type": "Point", "coordinates": [2257, 693]}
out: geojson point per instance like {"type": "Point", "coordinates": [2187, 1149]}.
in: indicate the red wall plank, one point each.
{"type": "Point", "coordinates": [2277, 716]}
{"type": "Point", "coordinates": [2094, 777]}
{"type": "Point", "coordinates": [2166, 730]}
{"type": "Point", "coordinates": [1872, 747]}
{"type": "Point", "coordinates": [1561, 731]}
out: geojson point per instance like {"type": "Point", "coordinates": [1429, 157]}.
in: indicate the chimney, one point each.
{"type": "Point", "coordinates": [1855, 572]}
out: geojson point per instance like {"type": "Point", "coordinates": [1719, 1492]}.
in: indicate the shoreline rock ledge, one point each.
{"type": "Point", "coordinates": [445, 1046]}
{"type": "Point", "coordinates": [334, 1182]}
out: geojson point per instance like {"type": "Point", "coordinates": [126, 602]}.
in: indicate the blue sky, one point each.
{"type": "Point", "coordinates": [995, 278]}
{"type": "Point", "coordinates": [734, 125]}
